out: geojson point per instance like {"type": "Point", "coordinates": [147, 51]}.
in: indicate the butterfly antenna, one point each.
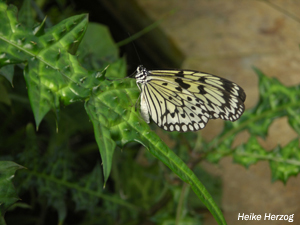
{"type": "Point", "coordinates": [131, 75]}
{"type": "Point", "coordinates": [136, 51]}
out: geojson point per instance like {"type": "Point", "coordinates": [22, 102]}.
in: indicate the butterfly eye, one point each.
{"type": "Point", "coordinates": [140, 69]}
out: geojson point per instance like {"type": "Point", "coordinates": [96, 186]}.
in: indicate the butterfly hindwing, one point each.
{"type": "Point", "coordinates": [184, 100]}
{"type": "Point", "coordinates": [173, 110]}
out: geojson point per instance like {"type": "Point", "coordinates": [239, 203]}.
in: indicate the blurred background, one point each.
{"type": "Point", "coordinates": [225, 38]}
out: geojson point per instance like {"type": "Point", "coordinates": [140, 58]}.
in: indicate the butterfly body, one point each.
{"type": "Point", "coordinates": [185, 100]}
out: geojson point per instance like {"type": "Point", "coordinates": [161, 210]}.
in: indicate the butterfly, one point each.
{"type": "Point", "coordinates": [185, 100]}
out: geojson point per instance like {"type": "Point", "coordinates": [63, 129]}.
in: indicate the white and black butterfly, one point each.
{"type": "Point", "coordinates": [184, 100]}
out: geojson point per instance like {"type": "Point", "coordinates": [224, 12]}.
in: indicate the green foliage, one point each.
{"type": "Point", "coordinates": [63, 167]}
{"type": "Point", "coordinates": [8, 194]}
{"type": "Point", "coordinates": [275, 100]}
{"type": "Point", "coordinates": [54, 75]}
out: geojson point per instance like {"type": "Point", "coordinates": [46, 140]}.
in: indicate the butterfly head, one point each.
{"type": "Point", "coordinates": [141, 74]}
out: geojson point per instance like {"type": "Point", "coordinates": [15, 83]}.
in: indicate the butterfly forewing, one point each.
{"type": "Point", "coordinates": [184, 100]}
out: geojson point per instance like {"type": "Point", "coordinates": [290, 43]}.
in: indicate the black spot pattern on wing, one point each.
{"type": "Point", "coordinates": [182, 84]}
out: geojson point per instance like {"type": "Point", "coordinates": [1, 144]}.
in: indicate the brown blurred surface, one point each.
{"type": "Point", "coordinates": [227, 38]}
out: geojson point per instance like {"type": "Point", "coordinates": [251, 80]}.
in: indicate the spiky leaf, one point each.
{"type": "Point", "coordinates": [275, 100]}
{"type": "Point", "coordinates": [8, 194]}
{"type": "Point", "coordinates": [51, 72]}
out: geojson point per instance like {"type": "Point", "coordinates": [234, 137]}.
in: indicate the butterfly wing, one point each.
{"type": "Point", "coordinates": [185, 100]}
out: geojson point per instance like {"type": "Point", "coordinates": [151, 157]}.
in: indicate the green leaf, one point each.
{"type": "Point", "coordinates": [8, 73]}
{"type": "Point", "coordinates": [51, 72]}
{"type": "Point", "coordinates": [223, 149]}
{"type": "Point", "coordinates": [39, 29]}
{"type": "Point", "coordinates": [105, 143]}
{"type": "Point", "coordinates": [97, 48]}
{"type": "Point", "coordinates": [91, 183]}
{"type": "Point", "coordinates": [274, 100]}
{"type": "Point", "coordinates": [9, 26]}
{"type": "Point", "coordinates": [25, 15]}
{"type": "Point", "coordinates": [52, 175]}
{"type": "Point", "coordinates": [212, 183]}
{"type": "Point", "coordinates": [285, 161]}
{"type": "Point", "coordinates": [8, 194]}
{"type": "Point", "coordinates": [294, 118]}
{"type": "Point", "coordinates": [108, 111]}
{"type": "Point", "coordinates": [249, 153]}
